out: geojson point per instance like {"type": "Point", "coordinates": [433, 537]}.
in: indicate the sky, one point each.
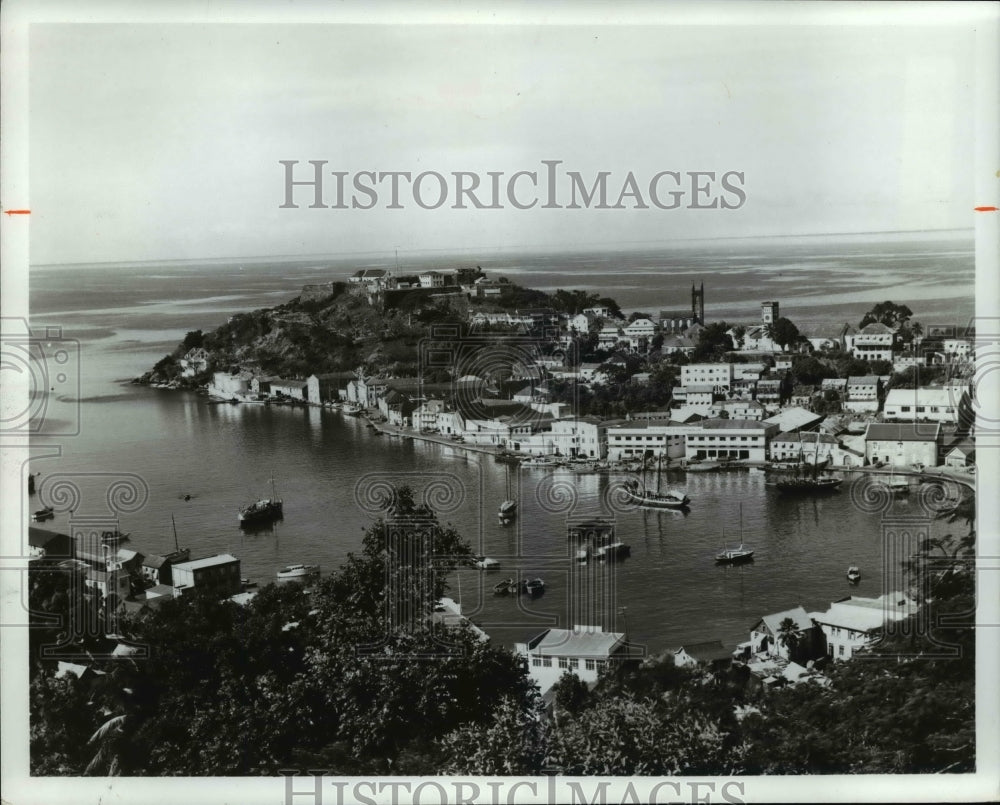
{"type": "Point", "coordinates": [164, 142]}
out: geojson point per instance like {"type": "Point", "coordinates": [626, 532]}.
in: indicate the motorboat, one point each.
{"type": "Point", "coordinates": [263, 510]}
{"type": "Point", "coordinates": [504, 587]}
{"type": "Point", "coordinates": [533, 586]}
{"type": "Point", "coordinates": [42, 515]}
{"type": "Point", "coordinates": [297, 571]}
{"type": "Point", "coordinates": [485, 563]}
{"type": "Point", "coordinates": [854, 574]}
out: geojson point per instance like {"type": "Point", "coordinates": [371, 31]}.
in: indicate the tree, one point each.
{"type": "Point", "coordinates": [888, 313]}
{"type": "Point", "coordinates": [571, 694]}
{"type": "Point", "coordinates": [783, 332]}
{"type": "Point", "coordinates": [809, 370]}
{"type": "Point", "coordinates": [713, 342]}
{"type": "Point", "coordinates": [788, 635]}
{"type": "Point", "coordinates": [512, 742]}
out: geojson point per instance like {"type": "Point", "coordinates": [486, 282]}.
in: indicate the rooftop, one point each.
{"type": "Point", "coordinates": [581, 641]}
{"type": "Point", "coordinates": [902, 432]}
{"type": "Point", "coordinates": [208, 561]}
{"type": "Point", "coordinates": [707, 651]}
{"type": "Point", "coordinates": [798, 615]}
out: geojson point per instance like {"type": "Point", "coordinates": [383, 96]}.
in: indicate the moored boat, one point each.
{"type": "Point", "coordinates": [504, 587]}
{"type": "Point", "coordinates": [297, 571]}
{"type": "Point", "coordinates": [263, 510]}
{"type": "Point", "coordinates": [734, 556]}
{"type": "Point", "coordinates": [854, 574]}
{"type": "Point", "coordinates": [613, 550]}
{"type": "Point", "coordinates": [655, 500]}
{"type": "Point", "coordinates": [533, 586]}
{"type": "Point", "coordinates": [42, 515]}
{"type": "Point", "coordinates": [484, 563]}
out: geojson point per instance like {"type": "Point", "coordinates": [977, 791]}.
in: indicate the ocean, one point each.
{"type": "Point", "coordinates": [198, 463]}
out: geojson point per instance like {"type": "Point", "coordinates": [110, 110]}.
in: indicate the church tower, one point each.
{"type": "Point", "coordinates": [698, 303]}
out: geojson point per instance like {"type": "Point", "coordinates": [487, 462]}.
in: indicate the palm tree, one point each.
{"type": "Point", "coordinates": [788, 635]}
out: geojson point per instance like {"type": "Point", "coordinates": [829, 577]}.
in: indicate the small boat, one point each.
{"type": "Point", "coordinates": [508, 509]}
{"type": "Point", "coordinates": [263, 510]}
{"type": "Point", "coordinates": [812, 482]}
{"type": "Point", "coordinates": [734, 556]}
{"type": "Point", "coordinates": [297, 571]}
{"type": "Point", "coordinates": [899, 486]}
{"type": "Point", "coordinates": [583, 555]}
{"type": "Point", "coordinates": [504, 587]}
{"type": "Point", "coordinates": [247, 583]}
{"type": "Point", "coordinates": [42, 515]}
{"type": "Point", "coordinates": [613, 550]}
{"type": "Point", "coordinates": [352, 410]}
{"type": "Point", "coordinates": [854, 574]}
{"type": "Point", "coordinates": [112, 537]}
{"type": "Point", "coordinates": [533, 586]}
{"type": "Point", "coordinates": [485, 563]}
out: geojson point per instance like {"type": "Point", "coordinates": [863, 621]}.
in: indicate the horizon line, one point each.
{"type": "Point", "coordinates": [569, 248]}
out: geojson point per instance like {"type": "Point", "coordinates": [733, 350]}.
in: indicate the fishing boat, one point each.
{"type": "Point", "coordinates": [297, 571]}
{"type": "Point", "coordinates": [505, 587]}
{"type": "Point", "coordinates": [734, 556]}
{"type": "Point", "coordinates": [179, 554]}
{"type": "Point", "coordinates": [485, 563]}
{"type": "Point", "coordinates": [655, 499]}
{"type": "Point", "coordinates": [854, 574]}
{"type": "Point", "coordinates": [811, 481]}
{"type": "Point", "coordinates": [247, 584]}
{"type": "Point", "coordinates": [352, 410]}
{"type": "Point", "coordinates": [42, 515]}
{"type": "Point", "coordinates": [533, 586]}
{"type": "Point", "coordinates": [264, 510]}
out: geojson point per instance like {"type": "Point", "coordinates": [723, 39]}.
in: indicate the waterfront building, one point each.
{"type": "Point", "coordinates": [107, 582]}
{"type": "Point", "coordinates": [635, 440]}
{"type": "Point", "coordinates": [855, 622]}
{"type": "Point", "coordinates": [227, 386]}
{"type": "Point", "coordinates": [220, 573]}
{"type": "Point", "coordinates": [709, 653]}
{"type": "Point", "coordinates": [327, 387]}
{"type": "Point", "coordinates": [293, 389]}
{"type": "Point", "coordinates": [902, 444]}
{"type": "Point", "coordinates": [923, 405]}
{"type": "Point", "coordinates": [809, 447]}
{"type": "Point", "coordinates": [961, 456]}
{"type": "Point", "coordinates": [582, 650]}
{"type": "Point", "coordinates": [730, 438]}
{"type": "Point", "coordinates": [49, 544]}
{"type": "Point", "coordinates": [425, 416]}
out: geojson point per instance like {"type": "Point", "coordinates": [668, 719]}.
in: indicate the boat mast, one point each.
{"type": "Point", "coordinates": [659, 459]}
{"type": "Point", "coordinates": [174, 524]}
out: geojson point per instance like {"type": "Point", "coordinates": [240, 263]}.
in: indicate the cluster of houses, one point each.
{"type": "Point", "coordinates": [783, 647]}
{"type": "Point", "coordinates": [120, 578]}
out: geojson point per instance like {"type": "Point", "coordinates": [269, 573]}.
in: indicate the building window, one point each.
{"type": "Point", "coordinates": [564, 662]}
{"type": "Point", "coordinates": [590, 665]}
{"type": "Point", "coordinates": [840, 651]}
{"type": "Point", "coordinates": [536, 662]}
{"type": "Point", "coordinates": [547, 662]}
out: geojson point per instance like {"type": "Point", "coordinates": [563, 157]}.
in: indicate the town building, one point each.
{"type": "Point", "coordinates": [227, 386]}
{"type": "Point", "coordinates": [635, 440]}
{"type": "Point", "coordinates": [795, 419]}
{"type": "Point", "coordinates": [327, 387]}
{"type": "Point", "coordinates": [194, 362]}
{"type": "Point", "coordinates": [717, 375]}
{"type": "Point", "coordinates": [922, 405]}
{"type": "Point", "coordinates": [902, 444]}
{"type": "Point", "coordinates": [875, 342]}
{"type": "Point", "coordinates": [855, 622]}
{"type": "Point", "coordinates": [220, 573]}
{"type": "Point", "coordinates": [862, 393]}
{"type": "Point", "coordinates": [729, 438]}
{"type": "Point", "coordinates": [808, 447]}
{"type": "Point", "coordinates": [582, 650]}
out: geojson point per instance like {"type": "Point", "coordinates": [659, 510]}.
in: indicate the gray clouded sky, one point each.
{"type": "Point", "coordinates": [163, 142]}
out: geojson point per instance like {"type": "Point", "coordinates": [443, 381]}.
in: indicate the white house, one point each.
{"type": "Point", "coordinates": [902, 444]}
{"type": "Point", "coordinates": [806, 447]}
{"type": "Point", "coordinates": [874, 342]}
{"type": "Point", "coordinates": [220, 573]}
{"type": "Point", "coordinates": [766, 635]}
{"type": "Point", "coordinates": [854, 623]}
{"type": "Point", "coordinates": [608, 337]}
{"type": "Point", "coordinates": [293, 389]}
{"type": "Point", "coordinates": [194, 362]}
{"type": "Point", "coordinates": [862, 393]}
{"type": "Point", "coordinates": [959, 349]}
{"type": "Point", "coordinates": [922, 405]}
{"type": "Point", "coordinates": [582, 650]}
{"type": "Point", "coordinates": [228, 386]}
{"type": "Point", "coordinates": [961, 456]}
{"type": "Point", "coordinates": [700, 396]}
{"type": "Point", "coordinates": [738, 409]}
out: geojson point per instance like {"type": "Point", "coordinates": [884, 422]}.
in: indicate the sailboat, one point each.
{"type": "Point", "coordinates": [657, 499]}
{"type": "Point", "coordinates": [811, 481]}
{"type": "Point", "coordinates": [179, 554]}
{"type": "Point", "coordinates": [263, 510]}
{"type": "Point", "coordinates": [734, 556]}
{"type": "Point", "coordinates": [508, 509]}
